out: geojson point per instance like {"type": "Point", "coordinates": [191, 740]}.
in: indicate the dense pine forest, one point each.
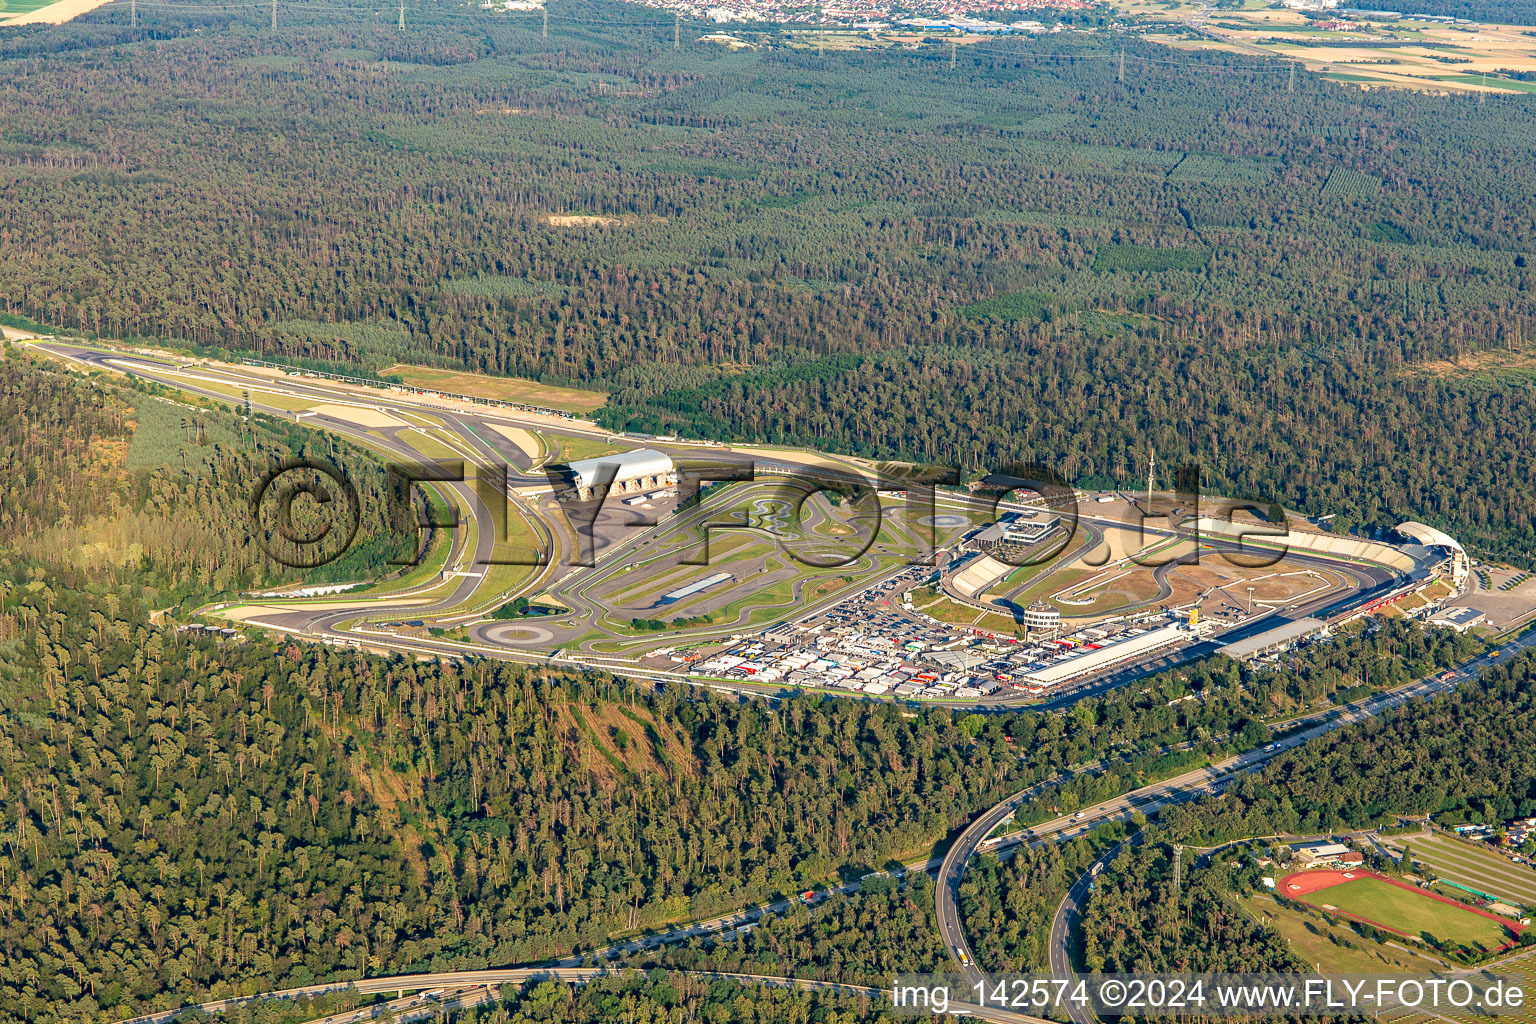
{"type": "Point", "coordinates": [181, 817]}
{"type": "Point", "coordinates": [1320, 296]}
{"type": "Point", "coordinates": [867, 937]}
{"type": "Point", "coordinates": [660, 998]}
{"type": "Point", "coordinates": [1467, 756]}
{"type": "Point", "coordinates": [104, 483]}
{"type": "Point", "coordinates": [1463, 756]}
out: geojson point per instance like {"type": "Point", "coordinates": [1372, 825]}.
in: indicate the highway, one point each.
{"type": "Point", "coordinates": [1149, 799]}
{"type": "Point", "coordinates": [473, 435]}
{"type": "Point", "coordinates": [1069, 910]}
{"type": "Point", "coordinates": [471, 987]}
{"type": "Point", "coordinates": [463, 989]}
{"type": "Point", "coordinates": [467, 988]}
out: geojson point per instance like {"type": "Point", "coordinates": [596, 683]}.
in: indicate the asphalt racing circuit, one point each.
{"type": "Point", "coordinates": [463, 588]}
{"type": "Point", "coordinates": [583, 630]}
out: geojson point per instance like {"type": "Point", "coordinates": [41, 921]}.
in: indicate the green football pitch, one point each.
{"type": "Point", "coordinates": [1413, 912]}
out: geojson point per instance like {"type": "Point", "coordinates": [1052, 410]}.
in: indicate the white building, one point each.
{"type": "Point", "coordinates": [636, 472]}
{"type": "Point", "coordinates": [1326, 855]}
{"type": "Point", "coordinates": [1439, 540]}
{"type": "Point", "coordinates": [1460, 619]}
{"type": "Point", "coordinates": [1078, 664]}
{"type": "Point", "coordinates": [1041, 616]}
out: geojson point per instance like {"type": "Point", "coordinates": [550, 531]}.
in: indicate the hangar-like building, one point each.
{"type": "Point", "coordinates": [635, 472]}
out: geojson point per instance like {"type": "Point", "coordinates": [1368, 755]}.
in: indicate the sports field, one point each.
{"type": "Point", "coordinates": [1345, 952]}
{"type": "Point", "coordinates": [1398, 907]}
{"type": "Point", "coordinates": [1471, 863]}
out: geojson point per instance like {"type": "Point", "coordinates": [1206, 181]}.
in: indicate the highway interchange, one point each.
{"type": "Point", "coordinates": [468, 988]}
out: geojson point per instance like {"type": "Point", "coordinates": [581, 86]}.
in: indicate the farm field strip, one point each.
{"type": "Point", "coordinates": [1479, 876]}
{"type": "Point", "coordinates": [501, 389]}
{"type": "Point", "coordinates": [1521, 968]}
{"type": "Point", "coordinates": [1466, 857]}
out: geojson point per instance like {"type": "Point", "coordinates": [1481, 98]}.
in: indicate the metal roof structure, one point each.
{"type": "Point", "coordinates": [962, 660]}
{"type": "Point", "coordinates": [1429, 536]}
{"type": "Point", "coordinates": [1269, 639]}
{"type": "Point", "coordinates": [1093, 661]}
{"type": "Point", "coordinates": [633, 465]}
{"type": "Point", "coordinates": [695, 587]}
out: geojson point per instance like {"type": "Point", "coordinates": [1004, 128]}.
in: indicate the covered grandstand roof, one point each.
{"type": "Point", "coordinates": [1262, 643]}
{"type": "Point", "coordinates": [632, 465]}
{"type": "Point", "coordinates": [1429, 536]}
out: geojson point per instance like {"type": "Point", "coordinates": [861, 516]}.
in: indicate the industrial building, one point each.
{"type": "Point", "coordinates": [1459, 619]}
{"type": "Point", "coordinates": [634, 472]}
{"type": "Point", "coordinates": [1028, 527]}
{"type": "Point", "coordinates": [697, 587]}
{"type": "Point", "coordinates": [1326, 855]}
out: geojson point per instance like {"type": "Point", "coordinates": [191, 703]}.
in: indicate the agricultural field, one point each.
{"type": "Point", "coordinates": [12, 8]}
{"type": "Point", "coordinates": [501, 389]}
{"type": "Point", "coordinates": [1370, 51]}
{"type": "Point", "coordinates": [1518, 968]}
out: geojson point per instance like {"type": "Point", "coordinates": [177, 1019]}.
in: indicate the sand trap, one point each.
{"type": "Point", "coordinates": [800, 458]}
{"type": "Point", "coordinates": [360, 415]}
{"type": "Point", "coordinates": [522, 438]}
{"type": "Point", "coordinates": [572, 220]}
{"type": "Point", "coordinates": [570, 424]}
